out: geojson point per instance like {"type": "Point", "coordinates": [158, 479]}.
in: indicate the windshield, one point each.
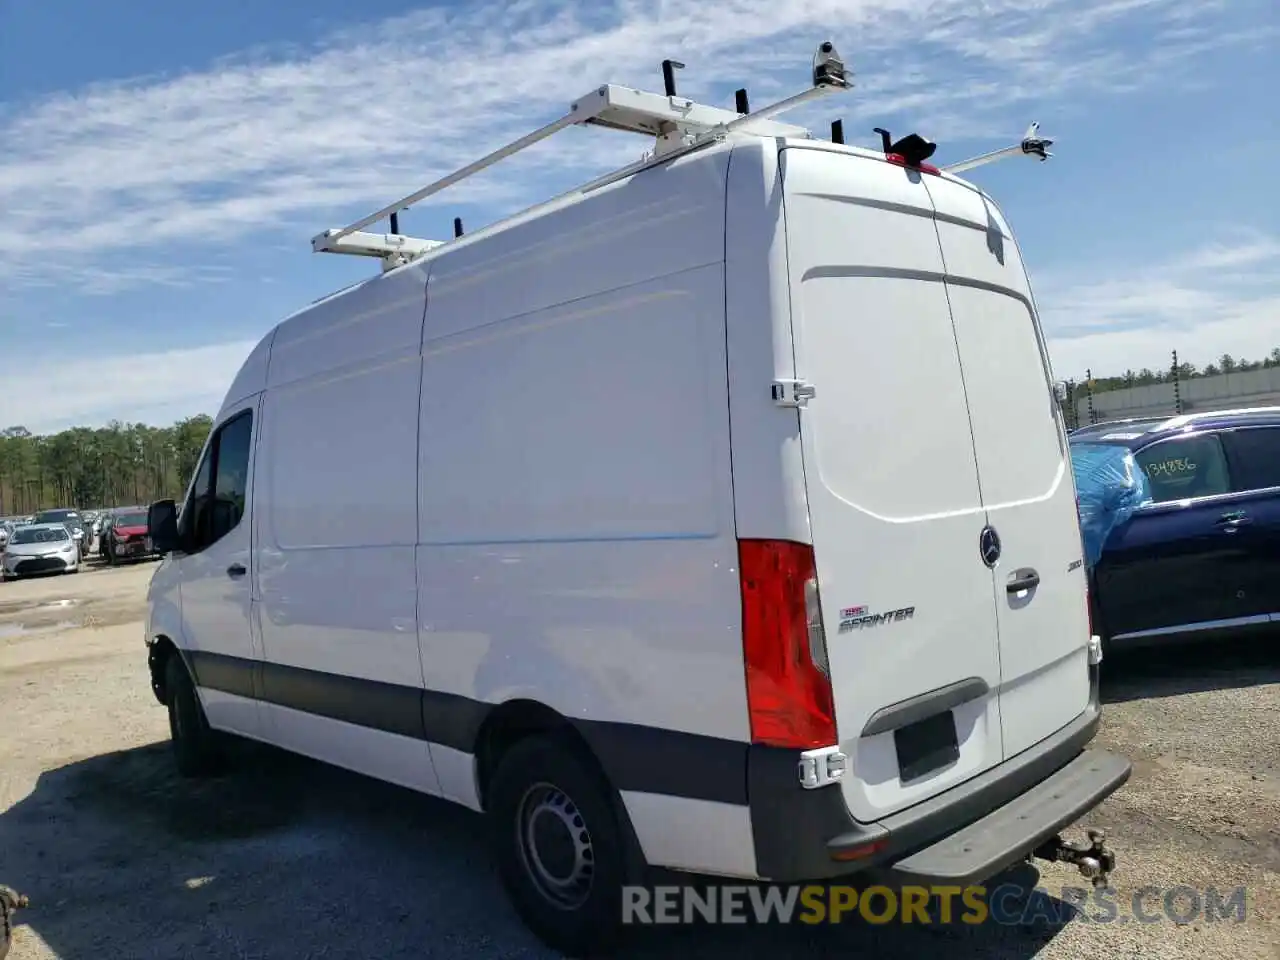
{"type": "Point", "coordinates": [38, 535]}
{"type": "Point", "coordinates": [56, 516]}
{"type": "Point", "coordinates": [130, 520]}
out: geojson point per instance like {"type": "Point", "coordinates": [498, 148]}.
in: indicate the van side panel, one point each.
{"type": "Point", "coordinates": [667, 220]}
{"type": "Point", "coordinates": [576, 534]}
{"type": "Point", "coordinates": [768, 482]}
{"type": "Point", "coordinates": [335, 578]}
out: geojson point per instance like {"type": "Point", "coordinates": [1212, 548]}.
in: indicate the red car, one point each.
{"type": "Point", "coordinates": [126, 538]}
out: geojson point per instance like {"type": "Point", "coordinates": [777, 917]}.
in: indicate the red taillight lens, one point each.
{"type": "Point", "coordinates": [899, 160]}
{"type": "Point", "coordinates": [788, 693]}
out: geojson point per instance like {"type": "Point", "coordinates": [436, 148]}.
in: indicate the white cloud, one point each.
{"type": "Point", "coordinates": [148, 387]}
{"type": "Point", "coordinates": [1221, 298]}
{"type": "Point", "coordinates": [303, 137]}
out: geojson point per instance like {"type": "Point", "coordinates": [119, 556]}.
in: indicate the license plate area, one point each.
{"type": "Point", "coordinates": [926, 746]}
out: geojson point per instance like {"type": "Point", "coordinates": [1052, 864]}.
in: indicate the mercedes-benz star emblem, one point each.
{"type": "Point", "coordinates": [989, 546]}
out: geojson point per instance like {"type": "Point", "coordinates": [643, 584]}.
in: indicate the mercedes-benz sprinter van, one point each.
{"type": "Point", "coordinates": [720, 520]}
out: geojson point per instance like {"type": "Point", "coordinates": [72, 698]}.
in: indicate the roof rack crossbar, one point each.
{"type": "Point", "coordinates": [677, 124]}
{"type": "Point", "coordinates": [1031, 145]}
{"type": "Point", "coordinates": [457, 176]}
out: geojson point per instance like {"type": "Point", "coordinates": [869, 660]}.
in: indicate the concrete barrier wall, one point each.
{"type": "Point", "coordinates": [1252, 388]}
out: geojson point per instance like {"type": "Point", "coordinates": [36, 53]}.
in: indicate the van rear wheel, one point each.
{"type": "Point", "coordinates": [196, 747]}
{"type": "Point", "coordinates": [558, 845]}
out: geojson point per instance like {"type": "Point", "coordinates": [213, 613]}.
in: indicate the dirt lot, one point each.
{"type": "Point", "coordinates": [288, 859]}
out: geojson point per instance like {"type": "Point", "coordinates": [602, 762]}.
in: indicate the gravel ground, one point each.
{"type": "Point", "coordinates": [286, 858]}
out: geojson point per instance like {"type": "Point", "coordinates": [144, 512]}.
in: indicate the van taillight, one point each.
{"type": "Point", "coordinates": [899, 160]}
{"type": "Point", "coordinates": [788, 683]}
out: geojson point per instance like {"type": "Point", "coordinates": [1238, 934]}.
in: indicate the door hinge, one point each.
{"type": "Point", "coordinates": [822, 766]}
{"type": "Point", "coordinates": [793, 393]}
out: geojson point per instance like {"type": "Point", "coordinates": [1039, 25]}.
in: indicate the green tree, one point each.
{"type": "Point", "coordinates": [116, 465]}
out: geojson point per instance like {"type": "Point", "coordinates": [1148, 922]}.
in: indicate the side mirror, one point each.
{"type": "Point", "coordinates": [1060, 391]}
{"type": "Point", "coordinates": [162, 526]}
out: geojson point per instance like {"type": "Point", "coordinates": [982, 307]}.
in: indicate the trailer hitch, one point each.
{"type": "Point", "coordinates": [1093, 859]}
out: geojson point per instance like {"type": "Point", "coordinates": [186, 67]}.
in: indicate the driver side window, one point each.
{"type": "Point", "coordinates": [194, 522]}
{"type": "Point", "coordinates": [216, 504]}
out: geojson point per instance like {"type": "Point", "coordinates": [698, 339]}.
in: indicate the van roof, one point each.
{"type": "Point", "coordinates": [679, 126]}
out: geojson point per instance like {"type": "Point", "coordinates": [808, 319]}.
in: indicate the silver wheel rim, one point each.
{"type": "Point", "coordinates": [555, 846]}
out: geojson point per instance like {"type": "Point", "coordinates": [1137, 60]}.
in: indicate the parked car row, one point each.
{"type": "Point", "coordinates": [61, 539]}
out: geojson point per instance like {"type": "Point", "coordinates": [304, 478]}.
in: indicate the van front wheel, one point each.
{"type": "Point", "coordinates": [558, 845]}
{"type": "Point", "coordinates": [195, 743]}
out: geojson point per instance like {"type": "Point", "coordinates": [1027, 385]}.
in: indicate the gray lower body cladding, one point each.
{"type": "Point", "coordinates": [798, 834]}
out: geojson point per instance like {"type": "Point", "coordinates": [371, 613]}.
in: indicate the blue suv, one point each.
{"type": "Point", "coordinates": [1204, 555]}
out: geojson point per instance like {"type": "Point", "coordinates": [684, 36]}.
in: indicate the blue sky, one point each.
{"type": "Point", "coordinates": [165, 165]}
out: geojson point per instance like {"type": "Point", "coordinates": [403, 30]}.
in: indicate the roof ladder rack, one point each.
{"type": "Point", "coordinates": [678, 125]}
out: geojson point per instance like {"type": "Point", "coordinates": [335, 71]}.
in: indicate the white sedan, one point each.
{"type": "Point", "coordinates": [40, 548]}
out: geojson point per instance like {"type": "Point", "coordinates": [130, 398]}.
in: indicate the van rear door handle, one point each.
{"type": "Point", "coordinates": [1024, 579]}
{"type": "Point", "coordinates": [236, 570]}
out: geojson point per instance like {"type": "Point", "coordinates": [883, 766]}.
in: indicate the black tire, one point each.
{"type": "Point", "coordinates": [196, 746]}
{"type": "Point", "coordinates": [541, 780]}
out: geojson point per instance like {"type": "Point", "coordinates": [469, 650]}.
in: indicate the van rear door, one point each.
{"type": "Point", "coordinates": [1024, 465]}
{"type": "Point", "coordinates": [895, 504]}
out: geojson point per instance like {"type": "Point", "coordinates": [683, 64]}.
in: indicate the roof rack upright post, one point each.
{"type": "Point", "coordinates": [669, 68]}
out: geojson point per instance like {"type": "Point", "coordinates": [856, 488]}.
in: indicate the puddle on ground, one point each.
{"type": "Point", "coordinates": [10, 631]}
{"type": "Point", "coordinates": [13, 606]}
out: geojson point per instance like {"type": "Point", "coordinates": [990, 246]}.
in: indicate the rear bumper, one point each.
{"type": "Point", "coordinates": [963, 835]}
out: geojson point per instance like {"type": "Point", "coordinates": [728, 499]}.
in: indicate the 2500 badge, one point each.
{"type": "Point", "coordinates": [857, 618]}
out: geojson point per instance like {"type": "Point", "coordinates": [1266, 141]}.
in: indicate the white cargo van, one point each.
{"type": "Point", "coordinates": [715, 517]}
